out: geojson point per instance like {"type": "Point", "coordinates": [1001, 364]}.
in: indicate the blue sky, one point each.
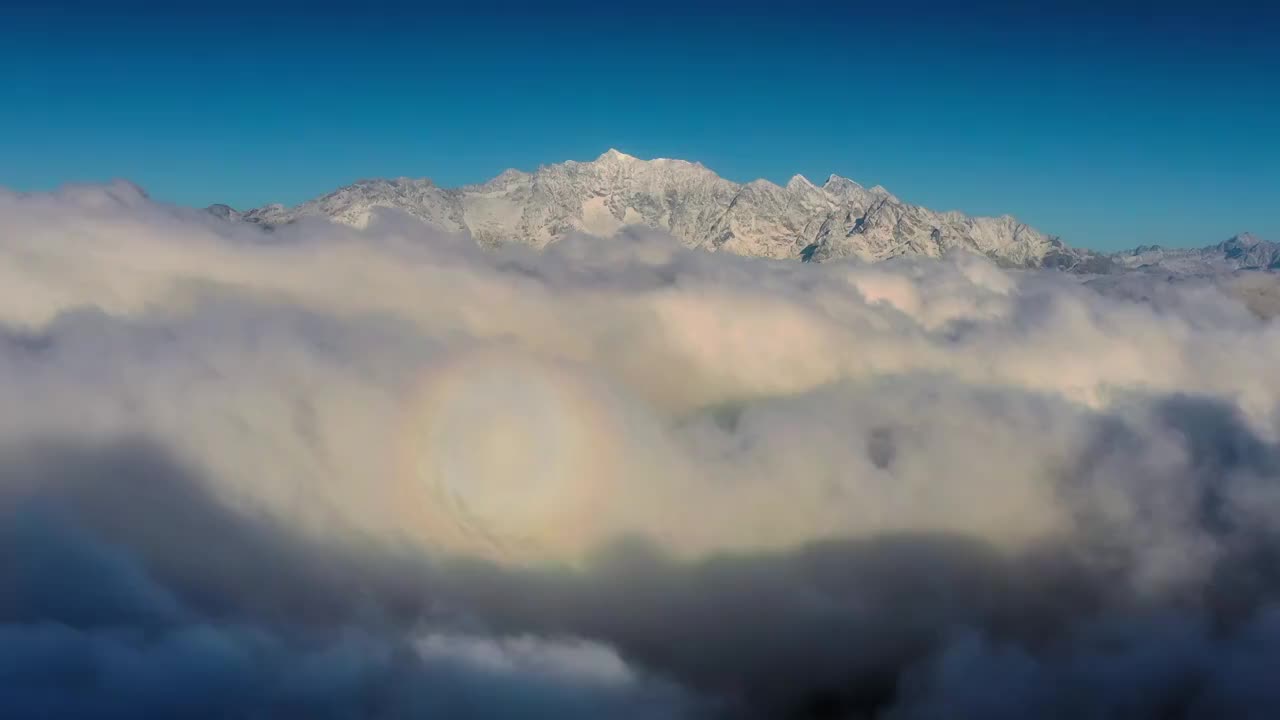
{"type": "Point", "coordinates": [1111, 126]}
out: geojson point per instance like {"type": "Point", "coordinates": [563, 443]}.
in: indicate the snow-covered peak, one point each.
{"type": "Point", "coordinates": [800, 182]}
{"type": "Point", "coordinates": [1244, 239]}
{"type": "Point", "coordinates": [837, 185]}
{"type": "Point", "coordinates": [614, 155]}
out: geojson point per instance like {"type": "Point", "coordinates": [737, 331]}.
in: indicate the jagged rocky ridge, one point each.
{"type": "Point", "coordinates": [801, 220]}
{"type": "Point", "coordinates": [1242, 252]}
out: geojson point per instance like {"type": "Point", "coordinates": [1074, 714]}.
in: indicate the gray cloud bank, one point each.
{"type": "Point", "coordinates": [328, 472]}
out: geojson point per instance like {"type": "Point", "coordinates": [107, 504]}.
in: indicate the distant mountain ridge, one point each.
{"type": "Point", "coordinates": [799, 220]}
{"type": "Point", "coordinates": [1241, 252]}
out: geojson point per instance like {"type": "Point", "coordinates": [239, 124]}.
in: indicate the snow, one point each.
{"type": "Point", "coordinates": [839, 219]}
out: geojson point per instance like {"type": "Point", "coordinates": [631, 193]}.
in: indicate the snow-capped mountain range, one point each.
{"type": "Point", "coordinates": [1242, 252]}
{"type": "Point", "coordinates": [800, 220]}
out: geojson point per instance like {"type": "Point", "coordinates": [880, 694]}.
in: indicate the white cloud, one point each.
{"type": "Point", "coordinates": [398, 391]}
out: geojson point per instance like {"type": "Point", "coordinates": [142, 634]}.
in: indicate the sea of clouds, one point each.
{"type": "Point", "coordinates": [382, 473]}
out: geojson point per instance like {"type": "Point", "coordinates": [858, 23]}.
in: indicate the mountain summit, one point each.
{"type": "Point", "coordinates": [801, 220]}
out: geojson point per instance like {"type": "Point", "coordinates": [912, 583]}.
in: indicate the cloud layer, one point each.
{"type": "Point", "coordinates": [380, 473]}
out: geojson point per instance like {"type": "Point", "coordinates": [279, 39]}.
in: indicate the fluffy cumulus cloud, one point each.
{"type": "Point", "coordinates": [328, 472]}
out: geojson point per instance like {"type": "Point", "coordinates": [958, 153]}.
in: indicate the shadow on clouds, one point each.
{"type": "Point", "coordinates": [128, 590]}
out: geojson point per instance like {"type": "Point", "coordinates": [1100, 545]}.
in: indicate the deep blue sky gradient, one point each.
{"type": "Point", "coordinates": [1109, 124]}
